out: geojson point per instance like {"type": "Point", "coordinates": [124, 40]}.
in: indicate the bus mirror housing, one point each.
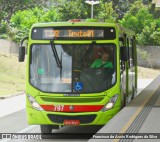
{"type": "Point", "coordinates": [21, 54]}
{"type": "Point", "coordinates": [124, 53]}
{"type": "Point", "coordinates": [22, 50]}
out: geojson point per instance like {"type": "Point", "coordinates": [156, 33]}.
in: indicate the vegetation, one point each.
{"type": "Point", "coordinates": [143, 23]}
{"type": "Point", "coordinates": [17, 16]}
{"type": "Point", "coordinates": [11, 82]}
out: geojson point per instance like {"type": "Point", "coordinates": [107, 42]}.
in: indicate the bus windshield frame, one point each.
{"type": "Point", "coordinates": [76, 73]}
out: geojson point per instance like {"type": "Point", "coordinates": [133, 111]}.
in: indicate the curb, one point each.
{"type": "Point", "coordinates": [13, 95]}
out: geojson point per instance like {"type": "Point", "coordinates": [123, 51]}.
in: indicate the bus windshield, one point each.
{"type": "Point", "coordinates": [82, 70]}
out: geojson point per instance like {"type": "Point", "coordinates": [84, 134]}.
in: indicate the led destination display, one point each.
{"type": "Point", "coordinates": [75, 33]}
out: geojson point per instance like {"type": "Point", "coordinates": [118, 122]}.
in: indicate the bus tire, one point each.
{"type": "Point", "coordinates": [46, 129]}
{"type": "Point", "coordinates": [124, 101]}
{"type": "Point", "coordinates": [133, 93]}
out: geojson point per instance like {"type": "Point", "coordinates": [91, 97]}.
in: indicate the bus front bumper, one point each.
{"type": "Point", "coordinates": [36, 117]}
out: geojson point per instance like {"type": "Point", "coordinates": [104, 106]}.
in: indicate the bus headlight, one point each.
{"type": "Point", "coordinates": [110, 104]}
{"type": "Point", "coordinates": [34, 103]}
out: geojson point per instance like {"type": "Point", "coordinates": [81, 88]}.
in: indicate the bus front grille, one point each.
{"type": "Point", "coordinates": [82, 118]}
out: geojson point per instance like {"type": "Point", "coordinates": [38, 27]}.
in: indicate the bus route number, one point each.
{"type": "Point", "coordinates": [58, 107]}
{"type": "Point", "coordinates": [52, 33]}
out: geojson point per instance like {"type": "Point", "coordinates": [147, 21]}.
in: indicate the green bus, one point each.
{"type": "Point", "coordinates": [63, 87]}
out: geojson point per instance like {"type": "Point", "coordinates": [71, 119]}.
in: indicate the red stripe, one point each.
{"type": "Point", "coordinates": [77, 108]}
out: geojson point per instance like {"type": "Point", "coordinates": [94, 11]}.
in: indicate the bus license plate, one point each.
{"type": "Point", "coordinates": [71, 122]}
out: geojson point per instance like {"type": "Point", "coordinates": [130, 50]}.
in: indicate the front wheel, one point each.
{"type": "Point", "coordinates": [46, 129]}
{"type": "Point", "coordinates": [124, 103]}
{"type": "Point", "coordinates": [133, 93]}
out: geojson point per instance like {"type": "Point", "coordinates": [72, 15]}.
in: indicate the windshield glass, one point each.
{"type": "Point", "coordinates": [84, 68]}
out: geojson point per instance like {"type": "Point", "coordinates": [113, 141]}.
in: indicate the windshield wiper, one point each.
{"type": "Point", "coordinates": [88, 51]}
{"type": "Point", "coordinates": [59, 63]}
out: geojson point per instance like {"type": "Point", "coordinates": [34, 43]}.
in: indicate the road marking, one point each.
{"type": "Point", "coordinates": [130, 121]}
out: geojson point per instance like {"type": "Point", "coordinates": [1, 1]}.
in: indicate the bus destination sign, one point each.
{"type": "Point", "coordinates": [69, 33]}
{"type": "Point", "coordinates": [72, 33]}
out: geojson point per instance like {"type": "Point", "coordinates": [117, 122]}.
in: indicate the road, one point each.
{"type": "Point", "coordinates": [13, 119]}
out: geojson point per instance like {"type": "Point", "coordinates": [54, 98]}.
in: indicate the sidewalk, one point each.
{"type": "Point", "coordinates": [143, 83]}
{"type": "Point", "coordinates": [11, 95]}
{"type": "Point", "coordinates": [12, 104]}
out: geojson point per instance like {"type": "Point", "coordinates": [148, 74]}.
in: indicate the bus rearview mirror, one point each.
{"type": "Point", "coordinates": [21, 54]}
{"type": "Point", "coordinates": [124, 53]}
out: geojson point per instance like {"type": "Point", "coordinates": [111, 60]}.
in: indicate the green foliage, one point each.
{"type": "Point", "coordinates": [107, 11]}
{"type": "Point", "coordinates": [135, 7]}
{"type": "Point", "coordinates": [50, 16]}
{"type": "Point", "coordinates": [3, 29]}
{"type": "Point", "coordinates": [121, 7]}
{"type": "Point", "coordinates": [9, 7]}
{"type": "Point", "coordinates": [24, 19]}
{"type": "Point", "coordinates": [22, 22]}
{"type": "Point", "coordinates": [137, 21]}
{"type": "Point", "coordinates": [72, 10]}
{"type": "Point", "coordinates": [17, 16]}
{"type": "Point", "coordinates": [150, 35]}
{"type": "Point", "coordinates": [156, 37]}
{"type": "Point", "coordinates": [143, 23]}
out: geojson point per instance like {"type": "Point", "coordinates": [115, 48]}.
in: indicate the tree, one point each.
{"type": "Point", "coordinates": [142, 22]}
{"type": "Point", "coordinates": [136, 6]}
{"type": "Point", "coordinates": [21, 22]}
{"type": "Point", "coordinates": [71, 9]}
{"type": "Point", "coordinates": [119, 6]}
{"type": "Point", "coordinates": [9, 7]}
{"type": "Point", "coordinates": [50, 15]}
{"type": "Point", "coordinates": [107, 11]}
{"type": "Point", "coordinates": [137, 21]}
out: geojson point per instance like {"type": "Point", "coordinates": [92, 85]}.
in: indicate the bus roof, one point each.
{"type": "Point", "coordinates": [74, 24]}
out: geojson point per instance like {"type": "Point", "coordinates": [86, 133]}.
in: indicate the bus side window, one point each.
{"type": "Point", "coordinates": [122, 63]}
{"type": "Point", "coordinates": [130, 50]}
{"type": "Point", "coordinates": [133, 51]}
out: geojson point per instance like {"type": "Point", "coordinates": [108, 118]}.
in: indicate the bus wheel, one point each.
{"type": "Point", "coordinates": [46, 129]}
{"type": "Point", "coordinates": [124, 102]}
{"type": "Point", "coordinates": [133, 93]}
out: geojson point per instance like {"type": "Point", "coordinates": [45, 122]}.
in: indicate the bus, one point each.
{"type": "Point", "coordinates": [62, 87]}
